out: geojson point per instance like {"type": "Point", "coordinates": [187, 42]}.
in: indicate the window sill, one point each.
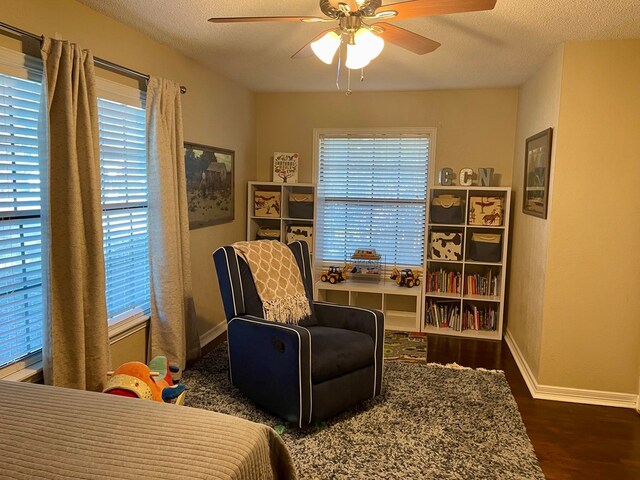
{"type": "Point", "coordinates": [119, 328]}
{"type": "Point", "coordinates": [30, 374]}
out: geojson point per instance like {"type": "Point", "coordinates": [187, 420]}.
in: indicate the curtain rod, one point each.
{"type": "Point", "coordinates": [98, 61]}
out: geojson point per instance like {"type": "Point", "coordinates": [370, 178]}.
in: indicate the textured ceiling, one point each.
{"type": "Point", "coordinates": [496, 48]}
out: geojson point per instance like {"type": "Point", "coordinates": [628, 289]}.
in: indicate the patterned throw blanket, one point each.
{"type": "Point", "coordinates": [277, 278]}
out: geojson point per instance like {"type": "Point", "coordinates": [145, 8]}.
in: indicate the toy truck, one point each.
{"type": "Point", "coordinates": [332, 275]}
{"type": "Point", "coordinates": [406, 277]}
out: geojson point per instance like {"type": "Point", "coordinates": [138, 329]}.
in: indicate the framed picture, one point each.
{"type": "Point", "coordinates": [285, 167]}
{"type": "Point", "coordinates": [209, 173]}
{"type": "Point", "coordinates": [537, 163]}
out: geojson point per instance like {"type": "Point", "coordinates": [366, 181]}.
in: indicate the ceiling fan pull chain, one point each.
{"type": "Point", "coordinates": [348, 92]}
{"type": "Point", "coordinates": [362, 74]}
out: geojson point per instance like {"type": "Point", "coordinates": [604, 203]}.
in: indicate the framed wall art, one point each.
{"type": "Point", "coordinates": [209, 173]}
{"type": "Point", "coordinates": [285, 167]}
{"type": "Point", "coordinates": [537, 163]}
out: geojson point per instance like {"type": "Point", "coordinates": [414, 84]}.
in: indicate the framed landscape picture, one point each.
{"type": "Point", "coordinates": [537, 162]}
{"type": "Point", "coordinates": [209, 173]}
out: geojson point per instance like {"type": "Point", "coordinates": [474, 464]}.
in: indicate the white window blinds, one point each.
{"type": "Point", "coordinates": [372, 194]}
{"type": "Point", "coordinates": [122, 133]}
{"type": "Point", "coordinates": [124, 201]}
{"type": "Point", "coordinates": [20, 232]}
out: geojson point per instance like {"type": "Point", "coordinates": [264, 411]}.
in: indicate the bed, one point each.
{"type": "Point", "coordinates": [57, 433]}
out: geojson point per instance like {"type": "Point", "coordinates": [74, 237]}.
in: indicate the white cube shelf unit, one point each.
{"type": "Point", "coordinates": [402, 306]}
{"type": "Point", "coordinates": [422, 308]}
{"type": "Point", "coordinates": [270, 209]}
{"type": "Point", "coordinates": [476, 308]}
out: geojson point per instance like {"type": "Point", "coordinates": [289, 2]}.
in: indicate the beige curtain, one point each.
{"type": "Point", "coordinates": [76, 342]}
{"type": "Point", "coordinates": [173, 332]}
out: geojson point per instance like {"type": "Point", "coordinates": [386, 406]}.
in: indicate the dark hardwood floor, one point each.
{"type": "Point", "coordinates": [572, 441]}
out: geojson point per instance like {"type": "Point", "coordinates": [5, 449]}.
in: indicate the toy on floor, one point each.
{"type": "Point", "coordinates": [150, 382]}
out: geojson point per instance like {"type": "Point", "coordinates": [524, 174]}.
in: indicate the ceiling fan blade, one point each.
{"type": "Point", "coordinates": [306, 51]}
{"type": "Point", "coordinates": [404, 38]}
{"type": "Point", "coordinates": [426, 8]}
{"type": "Point", "coordinates": [268, 19]}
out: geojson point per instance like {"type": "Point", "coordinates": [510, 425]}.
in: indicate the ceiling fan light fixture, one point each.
{"type": "Point", "coordinates": [365, 47]}
{"type": "Point", "coordinates": [357, 57]}
{"type": "Point", "coordinates": [326, 47]}
{"type": "Point", "coordinates": [372, 43]}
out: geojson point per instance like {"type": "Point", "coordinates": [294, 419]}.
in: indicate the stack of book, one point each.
{"type": "Point", "coordinates": [478, 284]}
{"type": "Point", "coordinates": [475, 318]}
{"type": "Point", "coordinates": [444, 315]}
{"type": "Point", "coordinates": [444, 281]}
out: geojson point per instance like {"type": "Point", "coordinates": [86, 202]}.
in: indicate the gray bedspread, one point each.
{"type": "Point", "coordinates": [57, 433]}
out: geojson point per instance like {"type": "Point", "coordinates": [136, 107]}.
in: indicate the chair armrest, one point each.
{"type": "Point", "coordinates": [271, 363]}
{"type": "Point", "coordinates": [364, 320]}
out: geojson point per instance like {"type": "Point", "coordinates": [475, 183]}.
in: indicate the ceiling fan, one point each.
{"type": "Point", "coordinates": [360, 25]}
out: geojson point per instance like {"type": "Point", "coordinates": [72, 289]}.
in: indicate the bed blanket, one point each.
{"type": "Point", "coordinates": [58, 433]}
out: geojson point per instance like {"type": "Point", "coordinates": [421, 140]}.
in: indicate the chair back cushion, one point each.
{"type": "Point", "coordinates": [239, 294]}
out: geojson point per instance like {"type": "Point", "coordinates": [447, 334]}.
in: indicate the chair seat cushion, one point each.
{"type": "Point", "coordinates": [336, 351]}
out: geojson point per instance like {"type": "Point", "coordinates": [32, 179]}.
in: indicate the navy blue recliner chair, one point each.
{"type": "Point", "coordinates": [326, 364]}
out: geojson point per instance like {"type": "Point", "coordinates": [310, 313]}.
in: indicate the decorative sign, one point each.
{"type": "Point", "coordinates": [466, 177]}
{"type": "Point", "coordinates": [285, 167]}
{"type": "Point", "coordinates": [483, 178]}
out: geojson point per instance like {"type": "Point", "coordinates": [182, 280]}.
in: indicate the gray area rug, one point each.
{"type": "Point", "coordinates": [431, 422]}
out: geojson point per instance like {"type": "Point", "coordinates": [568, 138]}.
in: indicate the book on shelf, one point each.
{"type": "Point", "coordinates": [444, 281]}
{"type": "Point", "coordinates": [475, 318]}
{"type": "Point", "coordinates": [487, 284]}
{"type": "Point", "coordinates": [443, 315]}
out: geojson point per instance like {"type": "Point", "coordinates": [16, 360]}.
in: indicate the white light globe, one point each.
{"type": "Point", "coordinates": [357, 57]}
{"type": "Point", "coordinates": [325, 47]}
{"type": "Point", "coordinates": [367, 47]}
{"type": "Point", "coordinates": [371, 42]}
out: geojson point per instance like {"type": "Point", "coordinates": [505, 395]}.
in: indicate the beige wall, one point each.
{"type": "Point", "coordinates": [476, 128]}
{"type": "Point", "coordinates": [538, 109]}
{"type": "Point", "coordinates": [216, 112]}
{"type": "Point", "coordinates": [591, 335]}
{"type": "Point", "coordinates": [131, 348]}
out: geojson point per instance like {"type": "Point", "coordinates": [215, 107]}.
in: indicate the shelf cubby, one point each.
{"type": "Point", "coordinates": [291, 227]}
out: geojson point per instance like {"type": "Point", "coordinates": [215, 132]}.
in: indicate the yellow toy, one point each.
{"type": "Point", "coordinates": [406, 277]}
{"type": "Point", "coordinates": [334, 274]}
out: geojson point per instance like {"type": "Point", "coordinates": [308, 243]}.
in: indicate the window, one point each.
{"type": "Point", "coordinates": [122, 135]}
{"type": "Point", "coordinates": [21, 311]}
{"type": "Point", "coordinates": [123, 166]}
{"type": "Point", "coordinates": [372, 190]}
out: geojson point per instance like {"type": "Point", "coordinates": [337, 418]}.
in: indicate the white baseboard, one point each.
{"type": "Point", "coordinates": [566, 394]}
{"type": "Point", "coordinates": [212, 334]}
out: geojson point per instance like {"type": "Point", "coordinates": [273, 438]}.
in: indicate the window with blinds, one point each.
{"type": "Point", "coordinates": [21, 310]}
{"type": "Point", "coordinates": [372, 191]}
{"type": "Point", "coordinates": [123, 167]}
{"type": "Point", "coordinates": [122, 132]}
